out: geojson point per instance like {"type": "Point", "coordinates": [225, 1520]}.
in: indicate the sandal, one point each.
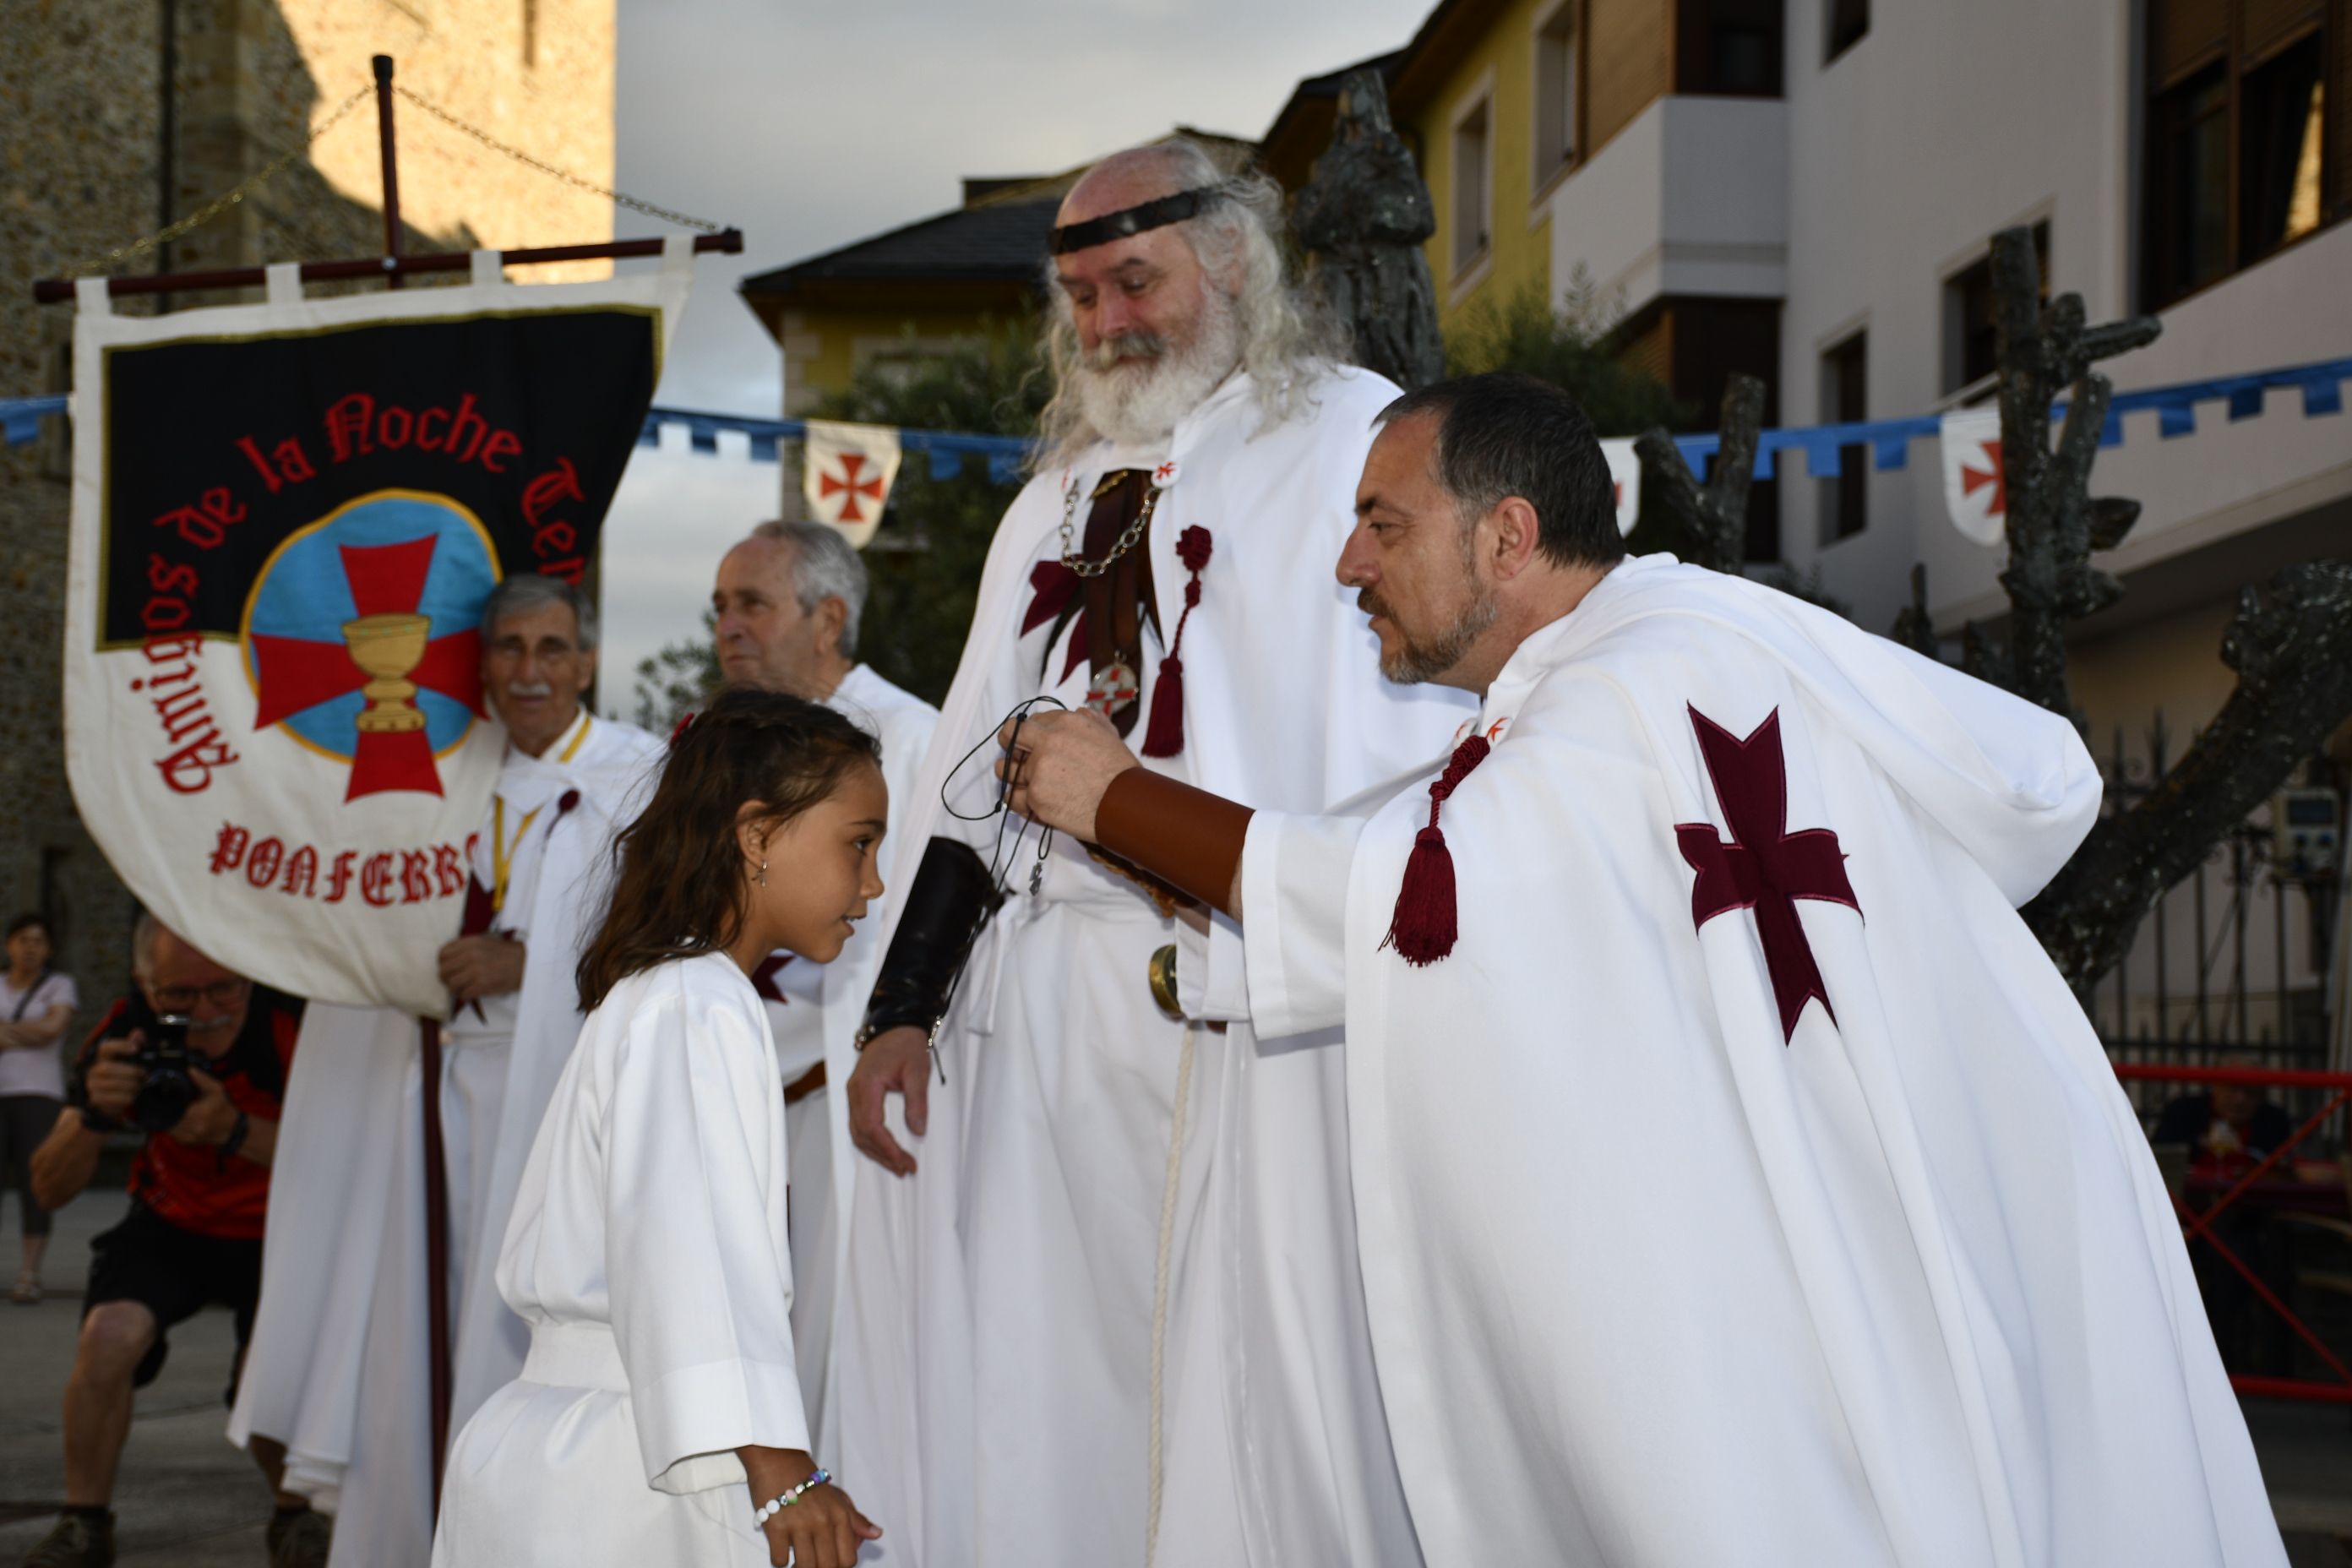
{"type": "Point", "coordinates": [27, 1293]}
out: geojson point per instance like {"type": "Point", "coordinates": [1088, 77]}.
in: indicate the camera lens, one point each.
{"type": "Point", "coordinates": [167, 1092]}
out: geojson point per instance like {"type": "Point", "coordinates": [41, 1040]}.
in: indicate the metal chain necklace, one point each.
{"type": "Point", "coordinates": [1126, 540]}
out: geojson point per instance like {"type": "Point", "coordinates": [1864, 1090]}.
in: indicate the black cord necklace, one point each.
{"type": "Point", "coordinates": [1003, 857]}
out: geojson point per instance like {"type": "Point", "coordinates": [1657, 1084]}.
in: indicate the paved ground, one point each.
{"type": "Point", "coordinates": [188, 1499]}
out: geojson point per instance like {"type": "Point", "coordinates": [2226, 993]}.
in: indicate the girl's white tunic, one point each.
{"type": "Point", "coordinates": [648, 1254]}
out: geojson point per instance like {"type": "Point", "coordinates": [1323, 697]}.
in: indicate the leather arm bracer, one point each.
{"type": "Point", "coordinates": [947, 907]}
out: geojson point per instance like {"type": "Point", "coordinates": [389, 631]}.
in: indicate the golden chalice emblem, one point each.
{"type": "Point", "coordinates": [387, 646]}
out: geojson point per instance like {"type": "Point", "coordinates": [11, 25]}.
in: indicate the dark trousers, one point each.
{"type": "Point", "coordinates": [24, 1122]}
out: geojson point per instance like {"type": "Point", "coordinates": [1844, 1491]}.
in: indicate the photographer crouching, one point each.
{"type": "Point", "coordinates": [194, 1059]}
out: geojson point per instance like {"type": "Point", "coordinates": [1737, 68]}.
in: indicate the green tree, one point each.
{"type": "Point", "coordinates": [1573, 346]}
{"type": "Point", "coordinates": [926, 559]}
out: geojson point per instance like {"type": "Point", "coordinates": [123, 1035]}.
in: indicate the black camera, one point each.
{"type": "Point", "coordinates": [168, 1091]}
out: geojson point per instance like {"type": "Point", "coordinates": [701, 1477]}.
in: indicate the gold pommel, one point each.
{"type": "Point", "coordinates": [1162, 973]}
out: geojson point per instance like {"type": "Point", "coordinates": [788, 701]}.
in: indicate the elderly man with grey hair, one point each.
{"type": "Point", "coordinates": [789, 601]}
{"type": "Point", "coordinates": [569, 783]}
{"type": "Point", "coordinates": [1102, 1303]}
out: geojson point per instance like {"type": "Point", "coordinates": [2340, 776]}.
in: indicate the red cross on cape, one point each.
{"type": "Point", "coordinates": [1762, 865]}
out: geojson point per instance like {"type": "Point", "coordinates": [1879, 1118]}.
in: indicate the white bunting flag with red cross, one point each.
{"type": "Point", "coordinates": [1625, 474]}
{"type": "Point", "coordinates": [1976, 491]}
{"type": "Point", "coordinates": [846, 472]}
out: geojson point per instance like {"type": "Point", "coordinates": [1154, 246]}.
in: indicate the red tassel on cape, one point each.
{"type": "Point", "coordinates": [1426, 920]}
{"type": "Point", "coordinates": [1164, 737]}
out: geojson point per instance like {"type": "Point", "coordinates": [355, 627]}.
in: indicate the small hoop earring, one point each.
{"type": "Point", "coordinates": [762, 877]}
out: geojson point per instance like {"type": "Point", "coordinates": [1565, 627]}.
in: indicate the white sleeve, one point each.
{"type": "Point", "coordinates": [1295, 877]}
{"type": "Point", "coordinates": [1212, 971]}
{"type": "Point", "coordinates": [697, 1269]}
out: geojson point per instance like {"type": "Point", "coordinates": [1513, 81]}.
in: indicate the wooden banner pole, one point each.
{"type": "Point", "coordinates": [391, 171]}
{"type": "Point", "coordinates": [436, 1253]}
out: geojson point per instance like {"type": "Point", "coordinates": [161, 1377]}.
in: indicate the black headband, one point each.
{"type": "Point", "coordinates": [1131, 221]}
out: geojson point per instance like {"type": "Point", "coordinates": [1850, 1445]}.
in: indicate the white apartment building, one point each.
{"type": "Point", "coordinates": [2190, 159]}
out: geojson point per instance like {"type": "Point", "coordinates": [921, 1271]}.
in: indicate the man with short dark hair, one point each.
{"type": "Point", "coordinates": [790, 600]}
{"type": "Point", "coordinates": [199, 1194]}
{"type": "Point", "coordinates": [1906, 1288]}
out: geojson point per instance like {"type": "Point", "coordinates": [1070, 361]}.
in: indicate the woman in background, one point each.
{"type": "Point", "coordinates": [36, 1003]}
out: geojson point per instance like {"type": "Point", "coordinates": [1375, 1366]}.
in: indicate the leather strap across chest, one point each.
{"type": "Point", "coordinates": [1118, 601]}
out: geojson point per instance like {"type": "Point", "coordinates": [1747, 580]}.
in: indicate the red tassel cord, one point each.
{"type": "Point", "coordinates": [1426, 920]}
{"type": "Point", "coordinates": [1165, 735]}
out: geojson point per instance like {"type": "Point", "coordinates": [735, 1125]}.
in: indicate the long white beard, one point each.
{"type": "Point", "coordinates": [1139, 405]}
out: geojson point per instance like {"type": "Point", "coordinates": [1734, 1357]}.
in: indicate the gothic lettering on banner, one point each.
{"type": "Point", "coordinates": [286, 518]}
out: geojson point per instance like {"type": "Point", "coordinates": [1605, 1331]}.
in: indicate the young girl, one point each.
{"type": "Point", "coordinates": [658, 1416]}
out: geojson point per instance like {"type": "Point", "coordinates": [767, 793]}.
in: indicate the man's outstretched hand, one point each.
{"type": "Point", "coordinates": [1062, 766]}
{"type": "Point", "coordinates": [896, 1061]}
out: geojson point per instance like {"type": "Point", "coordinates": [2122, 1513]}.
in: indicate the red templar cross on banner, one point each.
{"type": "Point", "coordinates": [851, 488]}
{"type": "Point", "coordinates": [1763, 866]}
{"type": "Point", "coordinates": [387, 654]}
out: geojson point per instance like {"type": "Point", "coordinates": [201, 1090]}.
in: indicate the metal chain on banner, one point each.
{"type": "Point", "coordinates": [617, 198]}
{"type": "Point", "coordinates": [221, 204]}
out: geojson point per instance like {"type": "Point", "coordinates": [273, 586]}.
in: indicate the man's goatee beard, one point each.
{"type": "Point", "coordinates": [1415, 662]}
{"type": "Point", "coordinates": [1139, 405]}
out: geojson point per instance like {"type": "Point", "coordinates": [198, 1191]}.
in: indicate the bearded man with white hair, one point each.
{"type": "Point", "coordinates": [1101, 1298]}
{"type": "Point", "coordinates": [346, 1381]}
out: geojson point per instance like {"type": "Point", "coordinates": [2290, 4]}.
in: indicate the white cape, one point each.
{"type": "Point", "coordinates": [1649, 1287]}
{"type": "Point", "coordinates": [338, 1368]}
{"type": "Point", "coordinates": [1274, 1447]}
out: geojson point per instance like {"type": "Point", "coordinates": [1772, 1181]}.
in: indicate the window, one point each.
{"type": "Point", "coordinates": [2188, 167]}
{"type": "Point", "coordinates": [1556, 92]}
{"type": "Point", "coordinates": [2234, 162]}
{"type": "Point", "coordinates": [1845, 397]}
{"type": "Point", "coordinates": [1972, 330]}
{"type": "Point", "coordinates": [2278, 169]}
{"type": "Point", "coordinates": [1849, 23]}
{"type": "Point", "coordinates": [1471, 203]}
{"type": "Point", "coordinates": [1729, 49]}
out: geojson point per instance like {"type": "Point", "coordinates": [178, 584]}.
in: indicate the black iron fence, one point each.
{"type": "Point", "coordinates": [2232, 967]}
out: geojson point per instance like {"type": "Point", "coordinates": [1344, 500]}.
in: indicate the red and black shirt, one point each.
{"type": "Point", "coordinates": [192, 1187]}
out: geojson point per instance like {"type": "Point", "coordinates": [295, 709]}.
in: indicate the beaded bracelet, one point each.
{"type": "Point", "coordinates": [777, 1504]}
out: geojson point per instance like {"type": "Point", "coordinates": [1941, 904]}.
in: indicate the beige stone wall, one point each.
{"type": "Point", "coordinates": [83, 166]}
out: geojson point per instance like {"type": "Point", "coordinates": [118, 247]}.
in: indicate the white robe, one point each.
{"type": "Point", "coordinates": [339, 1365]}
{"type": "Point", "coordinates": [994, 1365]}
{"type": "Point", "coordinates": [649, 1254]}
{"type": "Point", "coordinates": [817, 1022]}
{"type": "Point", "coordinates": [1649, 1287]}
{"type": "Point", "coordinates": [339, 1146]}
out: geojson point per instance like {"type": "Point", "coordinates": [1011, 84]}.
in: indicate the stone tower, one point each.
{"type": "Point", "coordinates": [125, 115]}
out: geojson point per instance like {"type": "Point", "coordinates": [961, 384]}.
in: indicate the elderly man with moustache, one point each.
{"type": "Point", "coordinates": [790, 600]}
{"type": "Point", "coordinates": [1112, 1289]}
{"type": "Point", "coordinates": [352, 1404]}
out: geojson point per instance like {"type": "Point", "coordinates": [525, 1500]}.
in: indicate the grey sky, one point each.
{"type": "Point", "coordinates": [811, 125]}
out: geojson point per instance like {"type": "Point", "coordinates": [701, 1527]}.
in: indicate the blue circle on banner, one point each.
{"type": "Point", "coordinates": [374, 563]}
